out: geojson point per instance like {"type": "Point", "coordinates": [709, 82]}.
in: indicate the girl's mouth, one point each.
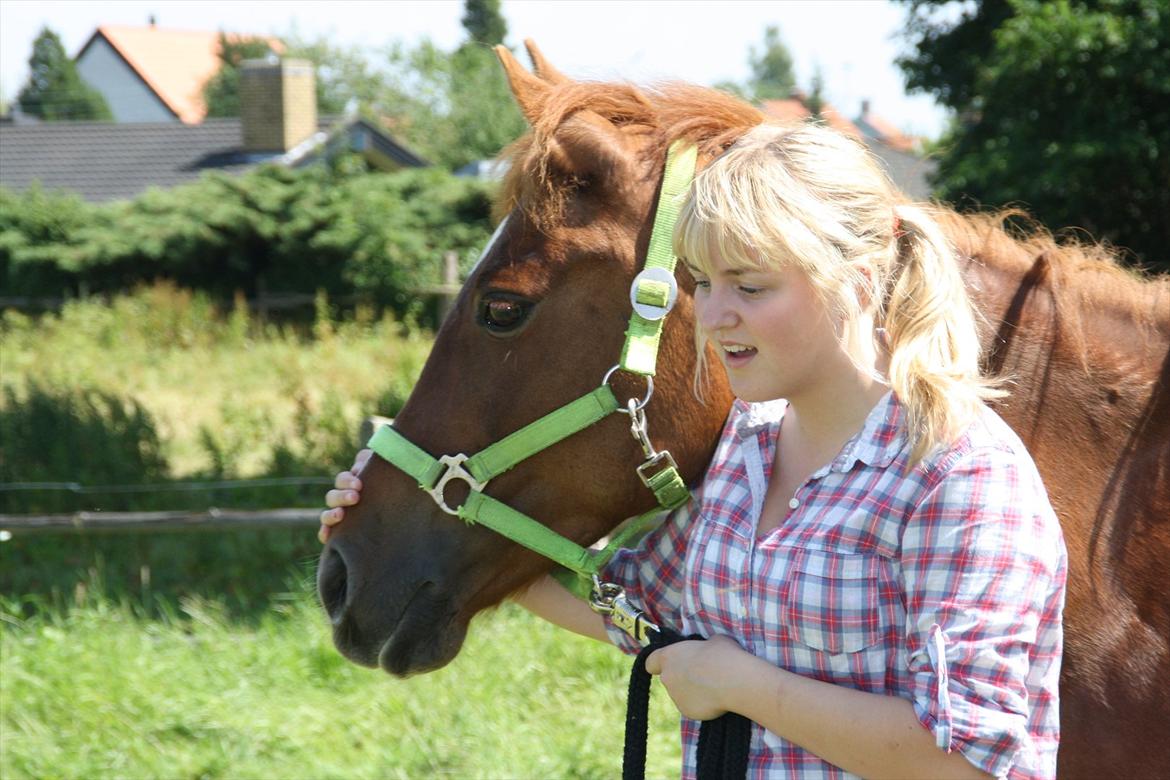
{"type": "Point", "coordinates": [737, 355]}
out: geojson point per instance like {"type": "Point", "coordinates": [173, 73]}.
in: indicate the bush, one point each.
{"type": "Point", "coordinates": [272, 230]}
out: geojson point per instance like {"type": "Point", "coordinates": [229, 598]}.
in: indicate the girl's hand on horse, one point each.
{"type": "Point", "coordinates": [346, 492]}
{"type": "Point", "coordinates": [698, 675]}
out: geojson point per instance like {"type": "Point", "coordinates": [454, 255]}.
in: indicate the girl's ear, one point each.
{"type": "Point", "coordinates": [866, 289]}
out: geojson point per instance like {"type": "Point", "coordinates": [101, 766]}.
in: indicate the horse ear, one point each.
{"type": "Point", "coordinates": [543, 67]}
{"type": "Point", "coordinates": [590, 146]}
{"type": "Point", "coordinates": [530, 92]}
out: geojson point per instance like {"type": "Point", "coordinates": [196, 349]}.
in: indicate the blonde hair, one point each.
{"type": "Point", "coordinates": [809, 197]}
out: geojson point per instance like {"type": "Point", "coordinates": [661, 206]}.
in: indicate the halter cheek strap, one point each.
{"type": "Point", "coordinates": [652, 295]}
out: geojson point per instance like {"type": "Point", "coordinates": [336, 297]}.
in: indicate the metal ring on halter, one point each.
{"type": "Point", "coordinates": [645, 400]}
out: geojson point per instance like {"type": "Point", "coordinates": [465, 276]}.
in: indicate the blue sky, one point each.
{"type": "Point", "coordinates": [852, 41]}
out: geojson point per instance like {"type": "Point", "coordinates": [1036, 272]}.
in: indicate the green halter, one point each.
{"type": "Point", "coordinates": [652, 295]}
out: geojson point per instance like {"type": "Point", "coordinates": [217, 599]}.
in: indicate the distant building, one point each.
{"type": "Point", "coordinates": [876, 128]}
{"type": "Point", "coordinates": [104, 161]}
{"type": "Point", "coordinates": [909, 171]}
{"type": "Point", "coordinates": [149, 74]}
{"type": "Point", "coordinates": [795, 109]}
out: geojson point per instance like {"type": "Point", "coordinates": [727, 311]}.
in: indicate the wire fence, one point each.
{"type": "Point", "coordinates": [210, 518]}
{"type": "Point", "coordinates": [167, 487]}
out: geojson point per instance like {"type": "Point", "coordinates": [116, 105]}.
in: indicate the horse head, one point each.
{"type": "Point", "coordinates": [539, 323]}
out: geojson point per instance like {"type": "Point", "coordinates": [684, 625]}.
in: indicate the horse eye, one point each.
{"type": "Point", "coordinates": [501, 315]}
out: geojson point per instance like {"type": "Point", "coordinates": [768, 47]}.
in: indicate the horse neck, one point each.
{"type": "Point", "coordinates": [1063, 326]}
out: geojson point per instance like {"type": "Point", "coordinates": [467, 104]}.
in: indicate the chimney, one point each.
{"type": "Point", "coordinates": [864, 108]}
{"type": "Point", "coordinates": [278, 104]}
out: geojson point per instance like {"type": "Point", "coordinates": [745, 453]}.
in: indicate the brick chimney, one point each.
{"type": "Point", "coordinates": [278, 104]}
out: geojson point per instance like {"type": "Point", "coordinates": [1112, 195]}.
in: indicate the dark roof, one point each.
{"type": "Point", "coordinates": [104, 161]}
{"type": "Point", "coordinates": [909, 172]}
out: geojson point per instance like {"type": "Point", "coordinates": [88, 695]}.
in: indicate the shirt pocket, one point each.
{"type": "Point", "coordinates": [839, 602]}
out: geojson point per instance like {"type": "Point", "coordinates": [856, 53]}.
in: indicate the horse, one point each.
{"type": "Point", "coordinates": [1084, 344]}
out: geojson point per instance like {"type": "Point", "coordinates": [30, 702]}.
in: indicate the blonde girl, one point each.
{"type": "Point", "coordinates": [871, 554]}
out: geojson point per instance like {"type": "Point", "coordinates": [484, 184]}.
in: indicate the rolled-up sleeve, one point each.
{"type": "Point", "coordinates": [983, 562]}
{"type": "Point", "coordinates": [652, 574]}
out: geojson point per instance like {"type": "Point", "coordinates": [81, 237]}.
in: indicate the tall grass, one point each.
{"type": "Point", "coordinates": [227, 392]}
{"type": "Point", "coordinates": [101, 692]}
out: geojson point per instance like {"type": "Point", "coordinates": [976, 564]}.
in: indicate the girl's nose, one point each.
{"type": "Point", "coordinates": [713, 311]}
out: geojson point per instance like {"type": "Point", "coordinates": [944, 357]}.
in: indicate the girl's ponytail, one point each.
{"type": "Point", "coordinates": [933, 342]}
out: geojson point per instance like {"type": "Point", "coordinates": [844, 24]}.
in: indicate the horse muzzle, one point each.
{"type": "Point", "coordinates": [402, 622]}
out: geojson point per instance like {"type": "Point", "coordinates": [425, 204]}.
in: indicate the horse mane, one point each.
{"type": "Point", "coordinates": [1082, 276]}
{"type": "Point", "coordinates": [710, 119]}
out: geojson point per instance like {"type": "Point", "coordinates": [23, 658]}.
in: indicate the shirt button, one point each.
{"type": "Point", "coordinates": [793, 504]}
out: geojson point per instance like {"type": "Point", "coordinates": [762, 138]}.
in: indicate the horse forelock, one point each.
{"type": "Point", "coordinates": [710, 119]}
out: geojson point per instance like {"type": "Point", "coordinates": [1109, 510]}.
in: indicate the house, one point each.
{"type": "Point", "coordinates": [104, 161]}
{"type": "Point", "coordinates": [909, 171]}
{"type": "Point", "coordinates": [795, 109]}
{"type": "Point", "coordinates": [150, 74]}
{"type": "Point", "coordinates": [873, 126]}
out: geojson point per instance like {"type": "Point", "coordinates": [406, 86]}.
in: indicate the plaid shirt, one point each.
{"type": "Point", "coordinates": [941, 583]}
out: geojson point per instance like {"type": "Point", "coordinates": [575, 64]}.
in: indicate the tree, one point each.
{"type": "Point", "coordinates": [815, 102]}
{"type": "Point", "coordinates": [55, 90]}
{"type": "Point", "coordinates": [1062, 106]}
{"type": "Point", "coordinates": [454, 107]}
{"type": "Point", "coordinates": [772, 76]}
{"type": "Point", "coordinates": [344, 75]}
{"type": "Point", "coordinates": [484, 23]}
{"type": "Point", "coordinates": [221, 93]}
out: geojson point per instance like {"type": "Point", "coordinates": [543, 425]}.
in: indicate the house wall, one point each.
{"type": "Point", "coordinates": [129, 98]}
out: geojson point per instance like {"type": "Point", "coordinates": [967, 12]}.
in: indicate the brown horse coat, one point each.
{"type": "Point", "coordinates": [1085, 344]}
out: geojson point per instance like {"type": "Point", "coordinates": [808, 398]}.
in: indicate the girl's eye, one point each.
{"type": "Point", "coordinates": [500, 314]}
{"type": "Point", "coordinates": [702, 284]}
{"type": "Point", "coordinates": [751, 290]}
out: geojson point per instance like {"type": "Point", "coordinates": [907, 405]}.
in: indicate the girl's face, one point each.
{"type": "Point", "coordinates": [771, 331]}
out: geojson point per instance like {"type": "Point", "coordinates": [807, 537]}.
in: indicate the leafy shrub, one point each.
{"type": "Point", "coordinates": [271, 230]}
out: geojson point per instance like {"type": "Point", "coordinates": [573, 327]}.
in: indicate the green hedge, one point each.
{"type": "Point", "coordinates": [273, 229]}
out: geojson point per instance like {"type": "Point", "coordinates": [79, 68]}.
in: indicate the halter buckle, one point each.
{"type": "Point", "coordinates": [654, 465]}
{"type": "Point", "coordinates": [653, 293]}
{"type": "Point", "coordinates": [455, 470]}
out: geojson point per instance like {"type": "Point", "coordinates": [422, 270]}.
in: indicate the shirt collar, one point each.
{"type": "Point", "coordinates": [879, 441]}
{"type": "Point", "coordinates": [751, 418]}
{"type": "Point", "coordinates": [881, 438]}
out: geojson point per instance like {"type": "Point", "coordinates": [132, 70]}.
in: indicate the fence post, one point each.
{"type": "Point", "coordinates": [450, 284]}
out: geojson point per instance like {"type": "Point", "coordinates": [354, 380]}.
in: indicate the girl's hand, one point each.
{"type": "Point", "coordinates": [697, 674]}
{"type": "Point", "coordinates": [346, 492]}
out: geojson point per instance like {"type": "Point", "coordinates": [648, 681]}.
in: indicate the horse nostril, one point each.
{"type": "Point", "coordinates": [331, 583]}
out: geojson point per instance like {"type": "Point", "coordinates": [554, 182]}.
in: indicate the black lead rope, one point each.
{"type": "Point", "coordinates": [723, 742]}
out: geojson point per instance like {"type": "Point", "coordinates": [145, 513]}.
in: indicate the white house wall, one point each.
{"type": "Point", "coordinates": [129, 98]}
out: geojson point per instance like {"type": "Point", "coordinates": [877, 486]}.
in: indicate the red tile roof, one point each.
{"type": "Point", "coordinates": [793, 110]}
{"type": "Point", "coordinates": [175, 64]}
{"type": "Point", "coordinates": [890, 135]}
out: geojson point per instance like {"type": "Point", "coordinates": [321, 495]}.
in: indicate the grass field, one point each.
{"type": "Point", "coordinates": [98, 692]}
{"type": "Point", "coordinates": [102, 676]}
